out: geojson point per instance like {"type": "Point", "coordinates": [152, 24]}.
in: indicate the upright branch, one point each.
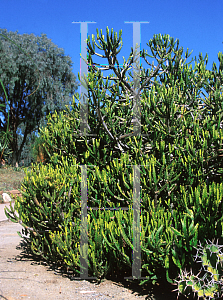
{"type": "Point", "coordinates": [170, 70]}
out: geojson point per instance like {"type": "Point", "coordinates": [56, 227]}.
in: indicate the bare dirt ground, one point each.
{"type": "Point", "coordinates": [22, 276]}
{"type": "Point", "coordinates": [10, 179]}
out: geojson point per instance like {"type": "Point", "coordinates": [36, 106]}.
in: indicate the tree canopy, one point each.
{"type": "Point", "coordinates": [38, 80]}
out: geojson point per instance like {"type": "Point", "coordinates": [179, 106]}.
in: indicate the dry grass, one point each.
{"type": "Point", "coordinates": [11, 178]}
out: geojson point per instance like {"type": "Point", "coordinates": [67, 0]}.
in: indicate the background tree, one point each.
{"type": "Point", "coordinates": [4, 135]}
{"type": "Point", "coordinates": [29, 154]}
{"type": "Point", "coordinates": [4, 140]}
{"type": "Point", "coordinates": [36, 84]}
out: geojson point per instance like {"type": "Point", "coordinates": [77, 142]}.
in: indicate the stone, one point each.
{"type": "Point", "coordinates": [13, 194]}
{"type": "Point", "coordinates": [6, 198]}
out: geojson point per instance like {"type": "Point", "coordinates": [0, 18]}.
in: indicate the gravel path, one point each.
{"type": "Point", "coordinates": [21, 277]}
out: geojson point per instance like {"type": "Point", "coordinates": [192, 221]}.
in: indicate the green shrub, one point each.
{"type": "Point", "coordinates": [50, 210]}
{"type": "Point", "coordinates": [181, 170]}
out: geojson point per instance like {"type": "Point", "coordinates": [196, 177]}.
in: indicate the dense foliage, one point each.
{"type": "Point", "coordinates": [179, 156]}
{"type": "Point", "coordinates": [38, 80]}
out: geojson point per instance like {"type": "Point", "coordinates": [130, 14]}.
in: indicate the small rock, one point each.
{"type": "Point", "coordinates": [6, 198]}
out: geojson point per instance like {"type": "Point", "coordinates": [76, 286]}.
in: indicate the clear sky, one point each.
{"type": "Point", "coordinates": [197, 24]}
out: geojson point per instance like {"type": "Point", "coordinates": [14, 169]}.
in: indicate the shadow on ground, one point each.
{"type": "Point", "coordinates": [163, 290]}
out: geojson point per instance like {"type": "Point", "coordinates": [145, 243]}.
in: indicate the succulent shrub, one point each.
{"type": "Point", "coordinates": [180, 163]}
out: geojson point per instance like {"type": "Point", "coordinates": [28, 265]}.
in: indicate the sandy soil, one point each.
{"type": "Point", "coordinates": [22, 276]}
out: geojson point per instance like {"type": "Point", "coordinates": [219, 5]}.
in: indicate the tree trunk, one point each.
{"type": "Point", "coordinates": [15, 158]}
{"type": "Point", "coordinates": [16, 151]}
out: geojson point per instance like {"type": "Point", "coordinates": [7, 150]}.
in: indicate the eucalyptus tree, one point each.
{"type": "Point", "coordinates": [38, 80]}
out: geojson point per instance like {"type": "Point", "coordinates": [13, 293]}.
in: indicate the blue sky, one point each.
{"type": "Point", "coordinates": [197, 24]}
